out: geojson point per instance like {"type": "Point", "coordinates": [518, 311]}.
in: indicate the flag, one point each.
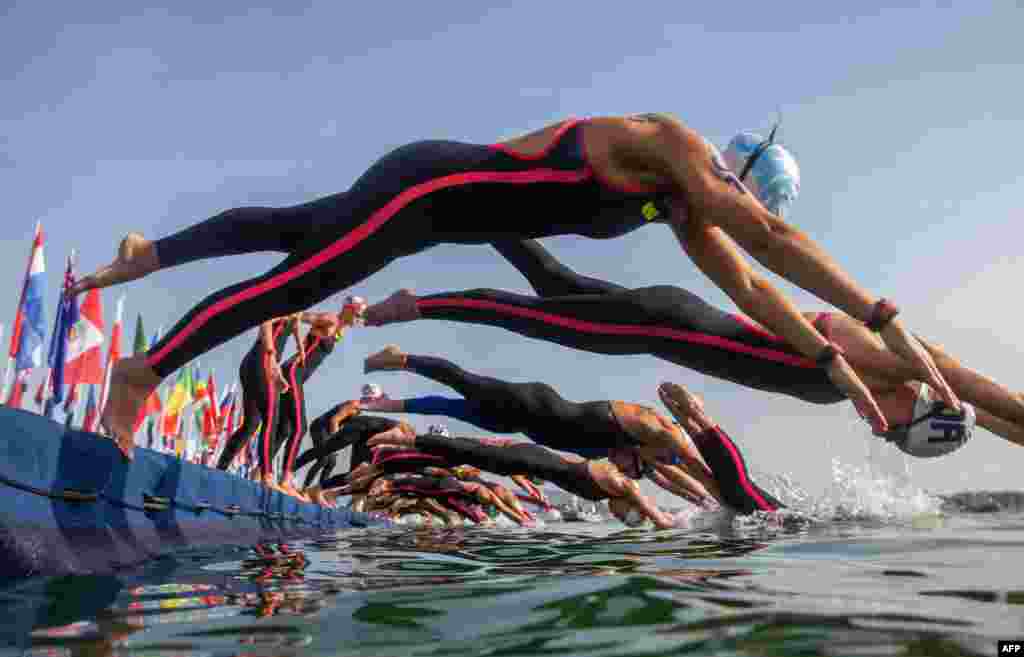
{"type": "Point", "coordinates": [113, 352]}
{"type": "Point", "coordinates": [41, 395]}
{"type": "Point", "coordinates": [92, 414]}
{"type": "Point", "coordinates": [140, 346]}
{"type": "Point", "coordinates": [180, 396]}
{"type": "Point", "coordinates": [211, 391]}
{"type": "Point", "coordinates": [67, 317]}
{"type": "Point", "coordinates": [29, 331]}
{"type": "Point", "coordinates": [227, 409]}
{"type": "Point", "coordinates": [84, 360]}
{"type": "Point", "coordinates": [153, 402]}
{"type": "Point", "coordinates": [18, 391]}
{"type": "Point", "coordinates": [71, 400]}
{"type": "Point", "coordinates": [198, 385]}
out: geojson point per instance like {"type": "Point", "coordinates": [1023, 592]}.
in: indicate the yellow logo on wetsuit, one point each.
{"type": "Point", "coordinates": [650, 211]}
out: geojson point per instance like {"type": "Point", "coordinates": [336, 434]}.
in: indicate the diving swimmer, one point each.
{"type": "Point", "coordinates": [600, 177]}
{"type": "Point", "coordinates": [671, 323]}
{"type": "Point", "coordinates": [588, 479]}
{"type": "Point", "coordinates": [590, 429]}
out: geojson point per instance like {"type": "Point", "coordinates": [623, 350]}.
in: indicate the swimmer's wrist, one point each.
{"type": "Point", "coordinates": [829, 355]}
{"type": "Point", "coordinates": [882, 313]}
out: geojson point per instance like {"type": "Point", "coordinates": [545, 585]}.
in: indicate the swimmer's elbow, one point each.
{"type": "Point", "coordinates": [771, 237]}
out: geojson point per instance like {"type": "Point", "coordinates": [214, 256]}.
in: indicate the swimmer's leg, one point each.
{"type": "Point", "coordinates": [232, 232]}
{"type": "Point", "coordinates": [491, 404]}
{"type": "Point", "coordinates": [240, 438]}
{"type": "Point", "coordinates": [664, 321]}
{"type": "Point", "coordinates": [547, 276]}
{"type": "Point", "coordinates": [313, 273]}
{"type": "Point", "coordinates": [324, 464]}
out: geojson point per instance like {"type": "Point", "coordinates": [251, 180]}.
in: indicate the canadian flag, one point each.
{"type": "Point", "coordinates": [113, 353]}
{"type": "Point", "coordinates": [84, 360]}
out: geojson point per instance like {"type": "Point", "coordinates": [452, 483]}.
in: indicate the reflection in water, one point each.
{"type": "Point", "coordinates": [586, 590]}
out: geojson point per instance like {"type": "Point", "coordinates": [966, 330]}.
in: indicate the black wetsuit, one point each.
{"type": "Point", "coordinates": [354, 431]}
{"type": "Point", "coordinates": [261, 402]}
{"type": "Point", "coordinates": [419, 195]}
{"type": "Point", "coordinates": [519, 458]}
{"type": "Point", "coordinates": [294, 423]}
{"type": "Point", "coordinates": [665, 321]}
{"type": "Point", "coordinates": [730, 469]}
{"type": "Point", "coordinates": [533, 409]}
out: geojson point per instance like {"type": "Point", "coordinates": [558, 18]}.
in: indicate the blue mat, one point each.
{"type": "Point", "coordinates": [71, 504]}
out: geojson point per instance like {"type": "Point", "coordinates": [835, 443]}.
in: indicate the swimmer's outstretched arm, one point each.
{"type": "Point", "coordinates": [344, 412]}
{"type": "Point", "coordinates": [679, 481]}
{"type": "Point", "coordinates": [712, 251]}
{"type": "Point", "coordinates": [384, 405]}
{"type": "Point", "coordinates": [717, 198]}
{"type": "Point", "coordinates": [646, 506]}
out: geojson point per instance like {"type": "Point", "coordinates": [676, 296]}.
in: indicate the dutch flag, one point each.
{"type": "Point", "coordinates": [30, 321]}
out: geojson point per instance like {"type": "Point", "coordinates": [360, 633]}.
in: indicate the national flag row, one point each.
{"type": "Point", "coordinates": [185, 416]}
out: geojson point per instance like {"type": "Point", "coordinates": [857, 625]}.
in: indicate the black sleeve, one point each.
{"type": "Point", "coordinates": [354, 431]}
{"type": "Point", "coordinates": [522, 458]}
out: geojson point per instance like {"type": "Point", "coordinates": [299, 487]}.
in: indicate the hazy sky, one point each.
{"type": "Point", "coordinates": [907, 123]}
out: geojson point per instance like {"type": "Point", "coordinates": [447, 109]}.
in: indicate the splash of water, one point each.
{"type": "Point", "coordinates": [880, 488]}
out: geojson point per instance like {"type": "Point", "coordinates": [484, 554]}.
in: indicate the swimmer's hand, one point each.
{"type": "Point", "coordinates": [299, 350]}
{"type": "Point", "coordinates": [347, 410]}
{"type": "Point", "coordinates": [359, 480]}
{"type": "Point", "coordinates": [277, 375]}
{"type": "Point", "coordinates": [843, 376]}
{"type": "Point", "coordinates": [323, 324]}
{"type": "Point", "coordinates": [401, 435]}
{"type": "Point", "coordinates": [905, 345]}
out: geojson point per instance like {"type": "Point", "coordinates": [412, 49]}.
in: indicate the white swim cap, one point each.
{"type": "Point", "coordinates": [372, 391]}
{"type": "Point", "coordinates": [936, 429]}
{"type": "Point", "coordinates": [766, 168]}
{"type": "Point", "coordinates": [438, 430]}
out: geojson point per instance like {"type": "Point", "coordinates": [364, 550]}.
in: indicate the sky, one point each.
{"type": "Point", "coordinates": [907, 122]}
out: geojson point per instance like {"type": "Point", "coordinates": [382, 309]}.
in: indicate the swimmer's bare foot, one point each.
{"type": "Point", "coordinates": [388, 358]}
{"type": "Point", "coordinates": [317, 495]}
{"type": "Point", "coordinates": [131, 382]}
{"type": "Point", "coordinates": [331, 496]}
{"type": "Point", "coordinates": [136, 257]}
{"type": "Point", "coordinates": [289, 488]}
{"type": "Point", "coordinates": [399, 307]}
{"type": "Point", "coordinates": [686, 407]}
{"type": "Point", "coordinates": [271, 482]}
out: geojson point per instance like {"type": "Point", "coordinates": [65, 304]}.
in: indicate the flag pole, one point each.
{"type": "Point", "coordinates": [16, 329]}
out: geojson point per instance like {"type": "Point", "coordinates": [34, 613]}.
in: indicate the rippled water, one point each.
{"type": "Point", "coordinates": [928, 585]}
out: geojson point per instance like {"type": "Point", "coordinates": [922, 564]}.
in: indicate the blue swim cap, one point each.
{"type": "Point", "coordinates": [766, 168]}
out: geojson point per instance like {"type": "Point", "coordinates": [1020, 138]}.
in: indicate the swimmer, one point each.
{"type": "Point", "coordinates": [262, 381]}
{"type": "Point", "coordinates": [738, 490]}
{"type": "Point", "coordinates": [601, 178]}
{"type": "Point", "coordinates": [338, 428]}
{"type": "Point", "coordinates": [269, 399]}
{"type": "Point", "coordinates": [588, 479]}
{"type": "Point", "coordinates": [319, 343]}
{"type": "Point", "coordinates": [434, 486]}
{"type": "Point", "coordinates": [589, 429]}
{"type": "Point", "coordinates": [350, 429]}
